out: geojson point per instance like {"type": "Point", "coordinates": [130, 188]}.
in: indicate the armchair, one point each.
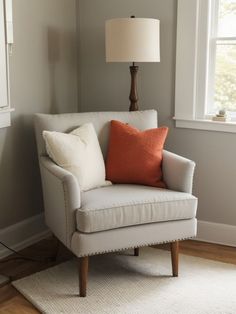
{"type": "Point", "coordinates": [119, 216]}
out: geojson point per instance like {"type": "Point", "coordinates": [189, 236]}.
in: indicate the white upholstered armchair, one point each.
{"type": "Point", "coordinates": [118, 216]}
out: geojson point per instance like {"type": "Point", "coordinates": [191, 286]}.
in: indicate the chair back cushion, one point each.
{"type": "Point", "coordinates": [101, 121]}
{"type": "Point", "coordinates": [79, 153]}
{"type": "Point", "coordinates": [135, 156]}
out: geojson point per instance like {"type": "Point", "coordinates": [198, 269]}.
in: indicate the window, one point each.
{"type": "Point", "coordinates": [5, 41]}
{"type": "Point", "coordinates": [206, 64]}
{"type": "Point", "coordinates": [223, 54]}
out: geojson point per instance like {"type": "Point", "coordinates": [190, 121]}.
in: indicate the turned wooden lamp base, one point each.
{"type": "Point", "coordinates": [133, 96]}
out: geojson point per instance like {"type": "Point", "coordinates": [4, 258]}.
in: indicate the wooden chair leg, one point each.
{"type": "Point", "coordinates": [136, 251]}
{"type": "Point", "coordinates": [83, 275]}
{"type": "Point", "coordinates": [174, 247]}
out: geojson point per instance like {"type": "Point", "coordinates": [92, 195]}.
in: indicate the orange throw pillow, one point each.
{"type": "Point", "coordinates": [135, 156]}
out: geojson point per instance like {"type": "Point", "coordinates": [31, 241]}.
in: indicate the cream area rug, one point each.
{"type": "Point", "coordinates": [122, 283]}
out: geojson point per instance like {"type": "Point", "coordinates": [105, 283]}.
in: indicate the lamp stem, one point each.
{"type": "Point", "coordinates": [133, 96]}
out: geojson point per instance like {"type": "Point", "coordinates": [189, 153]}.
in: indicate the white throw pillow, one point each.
{"type": "Point", "coordinates": [78, 152]}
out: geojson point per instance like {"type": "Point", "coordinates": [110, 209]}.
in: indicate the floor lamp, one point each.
{"type": "Point", "coordinates": [132, 40]}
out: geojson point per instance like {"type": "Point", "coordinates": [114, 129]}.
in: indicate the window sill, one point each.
{"type": "Point", "coordinates": [5, 117]}
{"type": "Point", "coordinates": [203, 124]}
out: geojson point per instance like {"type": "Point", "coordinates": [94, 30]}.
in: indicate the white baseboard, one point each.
{"type": "Point", "coordinates": [23, 234]}
{"type": "Point", "coordinates": [216, 233]}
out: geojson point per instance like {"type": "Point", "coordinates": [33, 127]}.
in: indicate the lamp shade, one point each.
{"type": "Point", "coordinates": [132, 40]}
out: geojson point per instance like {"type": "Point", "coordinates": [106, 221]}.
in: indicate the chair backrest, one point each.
{"type": "Point", "coordinates": [101, 120]}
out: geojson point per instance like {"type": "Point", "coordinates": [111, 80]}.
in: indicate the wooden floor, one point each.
{"type": "Point", "coordinates": [12, 301]}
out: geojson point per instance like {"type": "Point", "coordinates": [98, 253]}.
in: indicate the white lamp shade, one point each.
{"type": "Point", "coordinates": [132, 40]}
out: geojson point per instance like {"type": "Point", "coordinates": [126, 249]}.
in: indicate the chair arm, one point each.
{"type": "Point", "coordinates": [61, 195]}
{"type": "Point", "coordinates": [177, 172]}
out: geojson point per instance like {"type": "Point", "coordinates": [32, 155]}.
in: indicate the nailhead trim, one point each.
{"type": "Point", "coordinates": [64, 188]}
{"type": "Point", "coordinates": [66, 210]}
{"type": "Point", "coordinates": [133, 247]}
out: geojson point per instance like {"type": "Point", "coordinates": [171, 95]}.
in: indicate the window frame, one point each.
{"type": "Point", "coordinates": [213, 42]}
{"type": "Point", "coordinates": [193, 68]}
{"type": "Point", "coordinates": [6, 39]}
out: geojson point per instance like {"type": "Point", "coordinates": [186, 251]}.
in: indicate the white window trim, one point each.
{"type": "Point", "coordinates": [6, 38]}
{"type": "Point", "coordinates": [5, 117]}
{"type": "Point", "coordinates": [192, 49]}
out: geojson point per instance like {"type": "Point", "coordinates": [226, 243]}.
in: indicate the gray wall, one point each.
{"type": "Point", "coordinates": [43, 73]}
{"type": "Point", "coordinates": [44, 79]}
{"type": "Point", "coordinates": [106, 87]}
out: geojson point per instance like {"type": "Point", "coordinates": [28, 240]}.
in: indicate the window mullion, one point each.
{"type": "Point", "coordinates": [212, 56]}
{"type": "Point", "coordinates": [203, 48]}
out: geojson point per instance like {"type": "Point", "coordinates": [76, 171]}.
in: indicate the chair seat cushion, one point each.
{"type": "Point", "coordinates": [122, 205]}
